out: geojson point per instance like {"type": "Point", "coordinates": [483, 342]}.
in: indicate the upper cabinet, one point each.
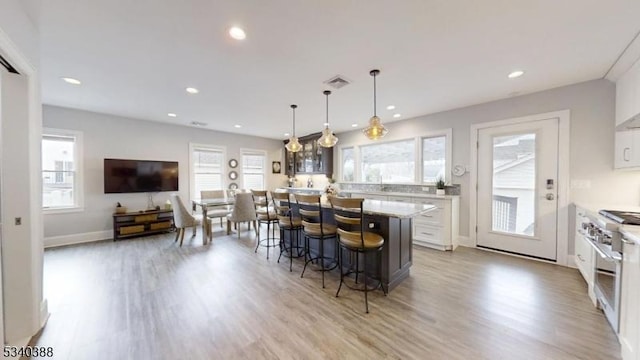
{"type": "Point", "coordinates": [312, 159]}
{"type": "Point", "coordinates": [628, 99]}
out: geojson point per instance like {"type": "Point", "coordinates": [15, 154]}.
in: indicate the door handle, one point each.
{"type": "Point", "coordinates": [624, 154]}
{"type": "Point", "coordinates": [628, 242]}
{"type": "Point", "coordinates": [550, 196]}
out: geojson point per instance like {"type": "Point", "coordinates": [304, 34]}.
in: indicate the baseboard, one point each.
{"type": "Point", "coordinates": [71, 239]}
{"type": "Point", "coordinates": [571, 261]}
{"type": "Point", "coordinates": [465, 241]}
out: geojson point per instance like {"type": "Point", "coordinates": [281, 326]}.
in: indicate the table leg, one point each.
{"type": "Point", "coordinates": [205, 231]}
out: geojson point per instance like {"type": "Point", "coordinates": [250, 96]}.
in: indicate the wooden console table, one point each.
{"type": "Point", "coordinates": [142, 223]}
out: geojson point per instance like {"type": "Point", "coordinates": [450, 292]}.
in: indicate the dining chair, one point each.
{"type": "Point", "coordinates": [243, 211]}
{"type": "Point", "coordinates": [220, 211]}
{"type": "Point", "coordinates": [183, 219]}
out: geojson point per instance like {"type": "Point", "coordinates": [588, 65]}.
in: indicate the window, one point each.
{"type": "Point", "coordinates": [391, 162]}
{"type": "Point", "coordinates": [348, 163]}
{"type": "Point", "coordinates": [61, 176]}
{"type": "Point", "coordinates": [253, 169]}
{"type": "Point", "coordinates": [207, 165]}
{"type": "Point", "coordinates": [434, 155]}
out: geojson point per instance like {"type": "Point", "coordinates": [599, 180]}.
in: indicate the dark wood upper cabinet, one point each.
{"type": "Point", "coordinates": [312, 159]}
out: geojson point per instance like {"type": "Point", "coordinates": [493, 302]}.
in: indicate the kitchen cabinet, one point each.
{"type": "Point", "coordinates": [627, 149]}
{"type": "Point", "coordinates": [312, 159]}
{"type": "Point", "coordinates": [584, 253]}
{"type": "Point", "coordinates": [437, 229]}
{"type": "Point", "coordinates": [628, 97]}
{"type": "Point", "coordinates": [630, 300]}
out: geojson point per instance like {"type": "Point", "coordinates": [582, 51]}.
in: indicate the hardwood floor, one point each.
{"type": "Point", "coordinates": [147, 298]}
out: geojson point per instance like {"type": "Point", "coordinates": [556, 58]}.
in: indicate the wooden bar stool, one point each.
{"type": "Point", "coordinates": [314, 227]}
{"type": "Point", "coordinates": [265, 215]}
{"type": "Point", "coordinates": [287, 222]}
{"type": "Point", "coordinates": [353, 239]}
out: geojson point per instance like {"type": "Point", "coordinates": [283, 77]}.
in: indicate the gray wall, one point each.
{"type": "Point", "coordinates": [592, 106]}
{"type": "Point", "coordinates": [108, 136]}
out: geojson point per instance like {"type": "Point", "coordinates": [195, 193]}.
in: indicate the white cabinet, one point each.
{"type": "Point", "coordinates": [584, 253]}
{"type": "Point", "coordinates": [630, 301]}
{"type": "Point", "coordinates": [627, 149]}
{"type": "Point", "coordinates": [628, 96]}
{"type": "Point", "coordinates": [437, 228]}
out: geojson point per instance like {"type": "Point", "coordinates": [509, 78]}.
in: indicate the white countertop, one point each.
{"type": "Point", "coordinates": [390, 193]}
{"type": "Point", "coordinates": [394, 208]}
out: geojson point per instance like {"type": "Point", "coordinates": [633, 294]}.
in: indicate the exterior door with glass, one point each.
{"type": "Point", "coordinates": [517, 188]}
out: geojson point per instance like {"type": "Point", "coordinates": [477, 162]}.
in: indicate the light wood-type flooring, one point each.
{"type": "Point", "coordinates": [147, 298]}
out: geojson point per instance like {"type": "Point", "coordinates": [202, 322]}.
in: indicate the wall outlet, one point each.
{"type": "Point", "coordinates": [18, 221]}
{"type": "Point", "coordinates": [372, 225]}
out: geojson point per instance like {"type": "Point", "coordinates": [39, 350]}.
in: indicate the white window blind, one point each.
{"type": "Point", "coordinates": [207, 164]}
{"type": "Point", "coordinates": [60, 178]}
{"type": "Point", "coordinates": [253, 170]}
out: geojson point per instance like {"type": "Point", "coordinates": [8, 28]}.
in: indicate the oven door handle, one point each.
{"type": "Point", "coordinates": [602, 254]}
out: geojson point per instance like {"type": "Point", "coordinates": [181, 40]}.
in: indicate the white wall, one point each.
{"type": "Point", "coordinates": [592, 106]}
{"type": "Point", "coordinates": [108, 136]}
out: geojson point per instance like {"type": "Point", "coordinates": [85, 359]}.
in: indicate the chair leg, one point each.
{"type": "Point", "coordinates": [258, 240]}
{"type": "Point", "coordinates": [194, 231]}
{"type": "Point", "coordinates": [255, 226]}
{"type": "Point", "coordinates": [341, 273]}
{"type": "Point", "coordinates": [177, 234]}
{"type": "Point", "coordinates": [268, 226]}
{"type": "Point", "coordinates": [228, 227]}
{"type": "Point", "coordinates": [322, 260]}
{"type": "Point", "coordinates": [182, 231]}
{"type": "Point", "coordinates": [364, 273]}
{"type": "Point", "coordinates": [306, 252]}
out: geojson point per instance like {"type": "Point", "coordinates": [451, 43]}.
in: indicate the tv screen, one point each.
{"type": "Point", "coordinates": [131, 176]}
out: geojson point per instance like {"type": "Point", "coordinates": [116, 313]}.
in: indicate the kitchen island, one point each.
{"type": "Point", "coordinates": [392, 220]}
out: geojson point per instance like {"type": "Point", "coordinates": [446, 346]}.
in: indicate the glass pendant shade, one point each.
{"type": "Point", "coordinates": [375, 130]}
{"type": "Point", "coordinates": [327, 139]}
{"type": "Point", "coordinates": [293, 145]}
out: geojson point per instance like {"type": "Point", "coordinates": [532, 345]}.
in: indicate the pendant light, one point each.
{"type": "Point", "coordinates": [375, 130]}
{"type": "Point", "coordinates": [293, 145]}
{"type": "Point", "coordinates": [327, 139]}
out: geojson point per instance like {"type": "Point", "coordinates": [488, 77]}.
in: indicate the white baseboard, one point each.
{"type": "Point", "coordinates": [71, 239]}
{"type": "Point", "coordinates": [465, 241]}
{"type": "Point", "coordinates": [571, 262]}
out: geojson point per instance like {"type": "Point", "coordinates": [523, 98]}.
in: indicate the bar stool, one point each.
{"type": "Point", "coordinates": [314, 227]}
{"type": "Point", "coordinates": [287, 222]}
{"type": "Point", "coordinates": [264, 215]}
{"type": "Point", "coordinates": [356, 241]}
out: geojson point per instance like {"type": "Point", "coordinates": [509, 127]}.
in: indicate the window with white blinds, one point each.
{"type": "Point", "coordinates": [253, 169]}
{"type": "Point", "coordinates": [61, 161]}
{"type": "Point", "coordinates": [207, 169]}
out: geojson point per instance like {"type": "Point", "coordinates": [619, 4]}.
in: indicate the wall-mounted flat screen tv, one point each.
{"type": "Point", "coordinates": [132, 176]}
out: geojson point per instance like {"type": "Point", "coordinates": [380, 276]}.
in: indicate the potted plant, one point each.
{"type": "Point", "coordinates": [120, 209]}
{"type": "Point", "coordinates": [440, 186]}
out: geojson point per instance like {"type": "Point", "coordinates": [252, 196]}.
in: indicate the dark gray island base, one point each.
{"type": "Point", "coordinates": [390, 219]}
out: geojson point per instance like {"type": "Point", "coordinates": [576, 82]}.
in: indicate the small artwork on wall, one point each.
{"type": "Point", "coordinates": [275, 167]}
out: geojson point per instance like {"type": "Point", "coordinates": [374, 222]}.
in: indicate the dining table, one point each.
{"type": "Point", "coordinates": [205, 205]}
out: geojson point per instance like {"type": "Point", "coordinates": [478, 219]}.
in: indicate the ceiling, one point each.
{"type": "Point", "coordinates": [135, 58]}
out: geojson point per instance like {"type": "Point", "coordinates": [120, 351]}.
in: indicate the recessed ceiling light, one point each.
{"type": "Point", "coordinates": [286, 134]}
{"type": "Point", "coordinates": [191, 90]}
{"type": "Point", "coordinates": [515, 74]}
{"type": "Point", "coordinates": [237, 33]}
{"type": "Point", "coordinates": [237, 126]}
{"type": "Point", "coordinates": [396, 115]}
{"type": "Point", "coordinates": [72, 81]}
{"type": "Point", "coordinates": [172, 115]}
{"type": "Point", "coordinates": [354, 125]}
{"type": "Point", "coordinates": [391, 107]}
{"type": "Point", "coordinates": [198, 123]}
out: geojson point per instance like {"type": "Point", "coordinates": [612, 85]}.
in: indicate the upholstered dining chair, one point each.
{"type": "Point", "coordinates": [243, 211]}
{"type": "Point", "coordinates": [216, 211]}
{"type": "Point", "coordinates": [183, 219]}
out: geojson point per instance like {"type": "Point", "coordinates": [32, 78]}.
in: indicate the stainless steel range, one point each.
{"type": "Point", "coordinates": [604, 236]}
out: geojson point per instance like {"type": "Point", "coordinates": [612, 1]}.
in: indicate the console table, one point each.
{"type": "Point", "coordinates": [142, 223]}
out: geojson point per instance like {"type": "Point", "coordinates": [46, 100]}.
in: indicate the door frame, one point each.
{"type": "Point", "coordinates": [562, 215]}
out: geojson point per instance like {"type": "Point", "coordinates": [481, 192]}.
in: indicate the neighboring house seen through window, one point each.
{"type": "Point", "coordinates": [390, 162]}
{"type": "Point", "coordinates": [61, 176]}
